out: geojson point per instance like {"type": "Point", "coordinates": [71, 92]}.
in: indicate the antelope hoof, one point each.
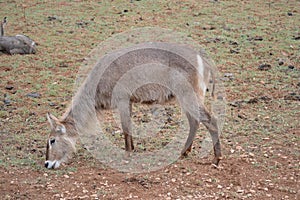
{"type": "Point", "coordinates": [216, 161]}
{"type": "Point", "coordinates": [185, 153]}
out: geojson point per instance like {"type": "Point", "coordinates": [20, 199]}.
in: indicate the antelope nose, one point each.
{"type": "Point", "coordinates": [46, 164]}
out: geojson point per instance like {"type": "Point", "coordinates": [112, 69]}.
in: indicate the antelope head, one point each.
{"type": "Point", "coordinates": [60, 145]}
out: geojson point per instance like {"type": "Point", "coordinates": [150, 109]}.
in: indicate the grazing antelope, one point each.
{"type": "Point", "coordinates": [160, 61]}
{"type": "Point", "coordinates": [19, 44]}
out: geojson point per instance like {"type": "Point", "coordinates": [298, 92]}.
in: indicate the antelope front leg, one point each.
{"type": "Point", "coordinates": [126, 126]}
{"type": "Point", "coordinates": [128, 142]}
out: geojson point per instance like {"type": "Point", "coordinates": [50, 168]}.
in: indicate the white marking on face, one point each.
{"type": "Point", "coordinates": [201, 74]}
{"type": "Point", "coordinates": [50, 145]}
{"type": "Point", "coordinates": [61, 129]}
{"type": "Point", "coordinates": [52, 164]}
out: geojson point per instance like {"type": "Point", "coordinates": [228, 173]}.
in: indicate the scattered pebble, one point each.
{"type": "Point", "coordinates": [6, 100]}
{"type": "Point", "coordinates": [280, 62]}
{"type": "Point", "coordinates": [82, 24]}
{"type": "Point", "coordinates": [240, 191]}
{"type": "Point", "coordinates": [9, 87]}
{"type": "Point", "coordinates": [33, 95]}
{"type": "Point", "coordinates": [53, 18]}
{"type": "Point", "coordinates": [52, 104]}
{"type": "Point", "coordinates": [251, 155]}
{"type": "Point", "coordinates": [291, 66]}
{"type": "Point", "coordinates": [230, 76]}
{"type": "Point", "coordinates": [234, 51]}
{"type": "Point", "coordinates": [264, 67]}
{"type": "Point", "coordinates": [255, 38]}
{"type": "Point", "coordinates": [66, 176]}
{"type": "Point", "coordinates": [208, 27]}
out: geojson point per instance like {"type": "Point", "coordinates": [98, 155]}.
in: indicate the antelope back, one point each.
{"type": "Point", "coordinates": [113, 66]}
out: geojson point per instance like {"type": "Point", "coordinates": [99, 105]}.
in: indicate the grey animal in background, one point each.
{"type": "Point", "coordinates": [19, 44]}
{"type": "Point", "coordinates": [2, 26]}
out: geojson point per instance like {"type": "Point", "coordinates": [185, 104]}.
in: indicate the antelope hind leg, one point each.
{"type": "Point", "coordinates": [212, 126]}
{"type": "Point", "coordinates": [193, 123]}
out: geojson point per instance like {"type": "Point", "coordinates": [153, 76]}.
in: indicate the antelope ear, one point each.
{"type": "Point", "coordinates": [53, 121]}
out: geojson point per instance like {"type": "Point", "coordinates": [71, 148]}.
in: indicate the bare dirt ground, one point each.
{"type": "Point", "coordinates": [256, 48]}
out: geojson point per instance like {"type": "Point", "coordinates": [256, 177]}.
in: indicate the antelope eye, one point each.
{"type": "Point", "coordinates": [52, 141]}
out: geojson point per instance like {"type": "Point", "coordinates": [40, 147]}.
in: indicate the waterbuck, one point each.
{"type": "Point", "coordinates": [19, 44]}
{"type": "Point", "coordinates": [153, 72]}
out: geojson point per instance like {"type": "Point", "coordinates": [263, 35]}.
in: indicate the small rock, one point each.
{"type": "Point", "coordinates": [83, 197]}
{"type": "Point", "coordinates": [94, 195]}
{"type": "Point", "coordinates": [33, 95]}
{"type": "Point", "coordinates": [280, 62]}
{"type": "Point", "coordinates": [266, 155]}
{"type": "Point", "coordinates": [9, 87]}
{"type": "Point", "coordinates": [234, 51]}
{"type": "Point", "coordinates": [66, 176]}
{"type": "Point", "coordinates": [240, 191]}
{"type": "Point", "coordinates": [291, 67]}
{"type": "Point", "coordinates": [264, 67]}
{"type": "Point", "coordinates": [63, 65]}
{"type": "Point", "coordinates": [208, 27]}
{"type": "Point", "coordinates": [82, 24]}
{"type": "Point", "coordinates": [233, 43]}
{"type": "Point", "coordinates": [236, 103]}
{"type": "Point", "coordinates": [6, 100]}
{"type": "Point", "coordinates": [229, 75]}
{"type": "Point", "coordinates": [255, 38]}
{"type": "Point", "coordinates": [56, 195]}
{"type": "Point", "coordinates": [85, 191]}
{"type": "Point", "coordinates": [52, 18]}
{"type": "Point", "coordinates": [52, 104]}
{"type": "Point", "coordinates": [239, 148]}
